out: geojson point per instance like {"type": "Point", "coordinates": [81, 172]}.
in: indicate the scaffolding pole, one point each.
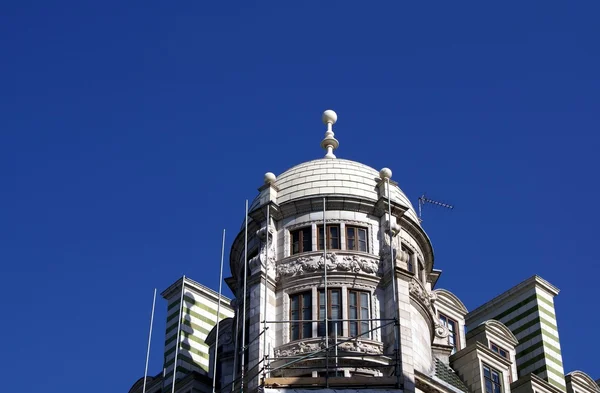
{"type": "Point", "coordinates": [178, 334]}
{"type": "Point", "coordinates": [325, 293]}
{"type": "Point", "coordinates": [149, 340]}
{"type": "Point", "coordinates": [393, 265]}
{"type": "Point", "coordinates": [265, 355]}
{"type": "Point", "coordinates": [218, 313]}
{"type": "Point", "coordinates": [245, 296]}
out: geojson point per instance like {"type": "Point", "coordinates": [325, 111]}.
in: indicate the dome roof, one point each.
{"type": "Point", "coordinates": [334, 176]}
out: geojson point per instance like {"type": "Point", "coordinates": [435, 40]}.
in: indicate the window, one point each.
{"type": "Point", "coordinates": [334, 311]}
{"type": "Point", "coordinates": [452, 326]}
{"type": "Point", "coordinates": [410, 263]}
{"type": "Point", "coordinates": [301, 309]}
{"type": "Point", "coordinates": [301, 240]}
{"type": "Point", "coordinates": [358, 313]}
{"type": "Point", "coordinates": [491, 379]}
{"type": "Point", "coordinates": [333, 237]}
{"type": "Point", "coordinates": [356, 238]}
{"type": "Point", "coordinates": [499, 350]}
{"type": "Point", "coordinates": [421, 271]}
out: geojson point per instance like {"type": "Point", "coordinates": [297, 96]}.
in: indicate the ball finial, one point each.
{"type": "Point", "coordinates": [329, 116]}
{"type": "Point", "coordinates": [385, 173]}
{"type": "Point", "coordinates": [270, 178]}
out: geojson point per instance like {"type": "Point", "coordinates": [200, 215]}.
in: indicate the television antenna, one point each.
{"type": "Point", "coordinates": [423, 200]}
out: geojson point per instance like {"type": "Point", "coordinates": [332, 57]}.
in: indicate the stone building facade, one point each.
{"type": "Point", "coordinates": [335, 288]}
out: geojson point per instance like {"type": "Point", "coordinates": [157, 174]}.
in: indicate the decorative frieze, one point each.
{"type": "Point", "coordinates": [305, 347]}
{"type": "Point", "coordinates": [334, 262]}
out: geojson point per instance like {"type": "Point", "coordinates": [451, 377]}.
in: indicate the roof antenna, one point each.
{"type": "Point", "coordinates": [423, 200]}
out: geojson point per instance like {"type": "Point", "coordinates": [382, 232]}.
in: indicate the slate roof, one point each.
{"type": "Point", "coordinates": [446, 374]}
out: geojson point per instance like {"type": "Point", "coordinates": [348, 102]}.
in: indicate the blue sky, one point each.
{"type": "Point", "coordinates": [132, 133]}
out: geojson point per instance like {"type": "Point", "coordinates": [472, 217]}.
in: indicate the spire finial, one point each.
{"type": "Point", "coordinates": [329, 143]}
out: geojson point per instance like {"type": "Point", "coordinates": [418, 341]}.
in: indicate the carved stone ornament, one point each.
{"type": "Point", "coordinates": [259, 260]}
{"type": "Point", "coordinates": [417, 291]}
{"type": "Point", "coordinates": [360, 346]}
{"type": "Point", "coordinates": [302, 348]}
{"type": "Point", "coordinates": [310, 264]}
{"type": "Point", "coordinates": [299, 348]}
{"type": "Point", "coordinates": [441, 331]}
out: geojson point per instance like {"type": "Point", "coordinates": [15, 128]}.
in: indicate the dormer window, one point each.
{"type": "Point", "coordinates": [301, 240]}
{"type": "Point", "coordinates": [452, 326]}
{"type": "Point", "coordinates": [492, 379]}
{"type": "Point", "coordinates": [499, 350]}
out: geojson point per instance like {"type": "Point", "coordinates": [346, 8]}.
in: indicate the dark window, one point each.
{"type": "Point", "coordinates": [356, 238]}
{"type": "Point", "coordinates": [452, 326]}
{"type": "Point", "coordinates": [492, 379]}
{"type": "Point", "coordinates": [499, 350]}
{"type": "Point", "coordinates": [358, 313]}
{"type": "Point", "coordinates": [334, 311]}
{"type": "Point", "coordinates": [301, 240]}
{"type": "Point", "coordinates": [410, 263]}
{"type": "Point", "coordinates": [333, 237]}
{"type": "Point", "coordinates": [301, 309]}
{"type": "Point", "coordinates": [421, 271]}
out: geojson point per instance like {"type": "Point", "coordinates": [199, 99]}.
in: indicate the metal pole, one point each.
{"type": "Point", "coordinates": [235, 346]}
{"type": "Point", "coordinates": [245, 296]}
{"type": "Point", "coordinates": [265, 355]}
{"type": "Point", "coordinates": [218, 313]}
{"type": "Point", "coordinates": [336, 350]}
{"type": "Point", "coordinates": [149, 339]}
{"type": "Point", "coordinates": [178, 334]}
{"type": "Point", "coordinates": [396, 310]}
{"type": "Point", "coordinates": [325, 297]}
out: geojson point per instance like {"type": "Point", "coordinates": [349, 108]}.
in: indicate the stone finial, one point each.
{"type": "Point", "coordinates": [270, 178]}
{"type": "Point", "coordinates": [329, 143]}
{"type": "Point", "coordinates": [385, 173]}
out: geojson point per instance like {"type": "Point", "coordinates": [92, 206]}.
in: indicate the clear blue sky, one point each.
{"type": "Point", "coordinates": [132, 133]}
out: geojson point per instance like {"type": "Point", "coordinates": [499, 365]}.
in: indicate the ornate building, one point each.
{"type": "Point", "coordinates": [335, 287]}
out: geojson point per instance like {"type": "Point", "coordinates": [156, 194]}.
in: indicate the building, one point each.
{"type": "Point", "coordinates": [338, 291]}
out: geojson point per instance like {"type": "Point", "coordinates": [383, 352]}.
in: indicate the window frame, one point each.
{"type": "Point", "coordinates": [498, 349]}
{"type": "Point", "coordinates": [455, 333]}
{"type": "Point", "coordinates": [410, 263]}
{"type": "Point", "coordinates": [300, 326]}
{"type": "Point", "coordinates": [356, 238]}
{"type": "Point", "coordinates": [362, 325]}
{"type": "Point", "coordinates": [330, 324]}
{"type": "Point", "coordinates": [329, 237]}
{"type": "Point", "coordinates": [491, 380]}
{"type": "Point", "coordinates": [302, 232]}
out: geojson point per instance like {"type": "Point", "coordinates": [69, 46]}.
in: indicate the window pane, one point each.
{"type": "Point", "coordinates": [495, 377]}
{"type": "Point", "coordinates": [497, 389]}
{"type": "Point", "coordinates": [486, 372]}
{"type": "Point", "coordinates": [334, 233]}
{"type": "Point", "coordinates": [488, 386]}
{"type": "Point", "coordinates": [321, 238]}
{"type": "Point", "coordinates": [365, 328]}
{"type": "Point", "coordinates": [362, 240]}
{"type": "Point", "coordinates": [306, 240]}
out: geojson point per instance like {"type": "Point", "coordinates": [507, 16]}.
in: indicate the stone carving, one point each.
{"type": "Point", "coordinates": [260, 260]}
{"type": "Point", "coordinates": [349, 346]}
{"type": "Point", "coordinates": [417, 291]}
{"type": "Point", "coordinates": [360, 346]}
{"type": "Point", "coordinates": [441, 331]}
{"type": "Point", "coordinates": [310, 264]}
{"type": "Point", "coordinates": [299, 348]}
